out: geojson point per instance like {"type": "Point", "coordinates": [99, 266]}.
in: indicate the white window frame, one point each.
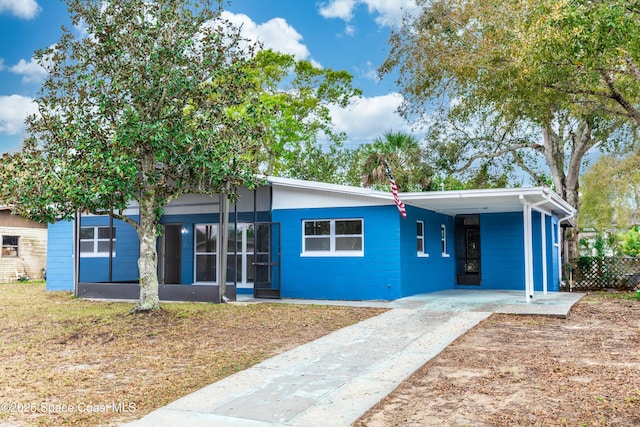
{"type": "Point", "coordinates": [16, 247]}
{"type": "Point", "coordinates": [420, 237]}
{"type": "Point", "coordinates": [96, 252]}
{"type": "Point", "coordinates": [333, 252]}
{"type": "Point", "coordinates": [243, 227]}
{"type": "Point", "coordinates": [443, 238]}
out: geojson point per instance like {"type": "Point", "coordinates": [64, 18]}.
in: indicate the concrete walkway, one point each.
{"type": "Point", "coordinates": [335, 379]}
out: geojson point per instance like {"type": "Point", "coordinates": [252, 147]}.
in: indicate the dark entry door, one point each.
{"type": "Point", "coordinates": [266, 260]}
{"type": "Point", "coordinates": [170, 265]}
{"type": "Point", "coordinates": [468, 249]}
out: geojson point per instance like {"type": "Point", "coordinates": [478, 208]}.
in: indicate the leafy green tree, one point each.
{"type": "Point", "coordinates": [611, 192]}
{"type": "Point", "coordinates": [299, 96]}
{"type": "Point", "coordinates": [509, 87]}
{"type": "Point", "coordinates": [153, 104]}
{"type": "Point", "coordinates": [400, 152]}
{"type": "Point", "coordinates": [583, 52]}
{"type": "Point", "coordinates": [629, 242]}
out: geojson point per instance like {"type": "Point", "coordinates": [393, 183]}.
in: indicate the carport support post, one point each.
{"type": "Point", "coordinates": [528, 258]}
{"type": "Point", "coordinates": [543, 228]}
{"type": "Point", "coordinates": [528, 244]}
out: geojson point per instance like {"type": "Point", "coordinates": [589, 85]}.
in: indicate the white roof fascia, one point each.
{"type": "Point", "coordinates": [323, 186]}
{"type": "Point", "coordinates": [550, 202]}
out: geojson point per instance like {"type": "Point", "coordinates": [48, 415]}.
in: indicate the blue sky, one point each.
{"type": "Point", "coordinates": [346, 35]}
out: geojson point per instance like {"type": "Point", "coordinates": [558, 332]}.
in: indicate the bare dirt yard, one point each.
{"type": "Point", "coordinates": [70, 362]}
{"type": "Point", "coordinates": [530, 371]}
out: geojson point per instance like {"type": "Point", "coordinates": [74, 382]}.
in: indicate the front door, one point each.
{"type": "Point", "coordinates": [468, 249]}
{"type": "Point", "coordinates": [267, 260]}
{"type": "Point", "coordinates": [170, 257]}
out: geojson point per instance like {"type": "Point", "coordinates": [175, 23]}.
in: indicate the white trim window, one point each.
{"type": "Point", "coordinates": [333, 237]}
{"type": "Point", "coordinates": [10, 246]}
{"type": "Point", "coordinates": [443, 238]}
{"type": "Point", "coordinates": [420, 240]}
{"type": "Point", "coordinates": [95, 241]}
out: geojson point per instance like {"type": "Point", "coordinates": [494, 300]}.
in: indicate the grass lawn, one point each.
{"type": "Point", "coordinates": [66, 361]}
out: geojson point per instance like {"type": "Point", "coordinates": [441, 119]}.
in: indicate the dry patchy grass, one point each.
{"type": "Point", "coordinates": [58, 353]}
{"type": "Point", "coordinates": [529, 371]}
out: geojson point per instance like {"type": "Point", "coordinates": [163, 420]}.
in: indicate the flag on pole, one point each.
{"type": "Point", "coordinates": [394, 191]}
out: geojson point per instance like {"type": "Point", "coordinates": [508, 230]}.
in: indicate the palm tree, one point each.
{"type": "Point", "coordinates": [401, 153]}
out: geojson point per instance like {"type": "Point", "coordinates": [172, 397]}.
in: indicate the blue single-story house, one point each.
{"type": "Point", "coordinates": [300, 239]}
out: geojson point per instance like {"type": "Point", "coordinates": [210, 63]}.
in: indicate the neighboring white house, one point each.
{"type": "Point", "coordinates": [24, 247]}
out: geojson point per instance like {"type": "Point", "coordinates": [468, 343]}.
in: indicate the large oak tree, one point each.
{"type": "Point", "coordinates": [524, 83]}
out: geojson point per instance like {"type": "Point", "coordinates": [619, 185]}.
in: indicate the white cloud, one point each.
{"type": "Point", "coordinates": [341, 9]}
{"type": "Point", "coordinates": [25, 9]}
{"type": "Point", "coordinates": [368, 118]}
{"type": "Point", "coordinates": [31, 71]}
{"type": "Point", "coordinates": [14, 109]}
{"type": "Point", "coordinates": [388, 13]}
{"type": "Point", "coordinates": [274, 34]}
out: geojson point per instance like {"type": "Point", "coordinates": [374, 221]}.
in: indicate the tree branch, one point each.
{"type": "Point", "coordinates": [617, 96]}
{"type": "Point", "coordinates": [494, 155]}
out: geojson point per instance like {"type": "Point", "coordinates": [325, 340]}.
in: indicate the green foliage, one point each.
{"type": "Point", "coordinates": [399, 151]}
{"type": "Point", "coordinates": [531, 85]}
{"type": "Point", "coordinates": [604, 244]}
{"type": "Point", "coordinates": [611, 192]}
{"type": "Point", "coordinates": [155, 102]}
{"type": "Point", "coordinates": [299, 96]}
{"type": "Point", "coordinates": [629, 242]}
{"type": "Point", "coordinates": [145, 108]}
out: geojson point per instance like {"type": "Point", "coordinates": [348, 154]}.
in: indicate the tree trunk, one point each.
{"type": "Point", "coordinates": [148, 260]}
{"type": "Point", "coordinates": [567, 182]}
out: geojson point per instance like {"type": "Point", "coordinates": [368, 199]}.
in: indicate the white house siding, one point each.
{"type": "Point", "coordinates": [32, 253]}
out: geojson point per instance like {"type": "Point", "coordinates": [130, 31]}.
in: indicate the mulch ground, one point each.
{"type": "Point", "coordinates": [530, 371]}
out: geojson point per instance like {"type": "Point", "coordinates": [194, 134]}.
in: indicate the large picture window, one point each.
{"type": "Point", "coordinates": [336, 237]}
{"type": "Point", "coordinates": [96, 241]}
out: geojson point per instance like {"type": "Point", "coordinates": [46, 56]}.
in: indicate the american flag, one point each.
{"type": "Point", "coordinates": [394, 191]}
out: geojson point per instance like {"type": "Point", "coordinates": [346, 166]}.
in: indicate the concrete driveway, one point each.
{"type": "Point", "coordinates": [335, 379]}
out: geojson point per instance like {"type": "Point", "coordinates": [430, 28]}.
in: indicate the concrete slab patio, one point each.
{"type": "Point", "coordinates": [333, 380]}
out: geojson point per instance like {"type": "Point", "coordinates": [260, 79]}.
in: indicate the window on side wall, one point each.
{"type": "Point", "coordinates": [333, 237]}
{"type": "Point", "coordinates": [10, 246]}
{"type": "Point", "coordinates": [443, 238]}
{"type": "Point", "coordinates": [420, 239]}
{"type": "Point", "coordinates": [95, 241]}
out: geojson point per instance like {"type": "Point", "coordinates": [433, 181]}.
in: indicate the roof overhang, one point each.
{"type": "Point", "coordinates": [458, 202]}
{"type": "Point", "coordinates": [466, 202]}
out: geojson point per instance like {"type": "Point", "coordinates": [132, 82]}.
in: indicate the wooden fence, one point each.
{"type": "Point", "coordinates": [597, 273]}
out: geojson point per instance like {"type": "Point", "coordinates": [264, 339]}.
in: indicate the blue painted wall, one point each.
{"type": "Point", "coordinates": [375, 276]}
{"type": "Point", "coordinates": [551, 249]}
{"type": "Point", "coordinates": [389, 269]}
{"type": "Point", "coordinates": [502, 251]}
{"type": "Point", "coordinates": [552, 255]}
{"type": "Point", "coordinates": [60, 256]}
{"type": "Point", "coordinates": [436, 272]}
{"type": "Point", "coordinates": [125, 261]}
